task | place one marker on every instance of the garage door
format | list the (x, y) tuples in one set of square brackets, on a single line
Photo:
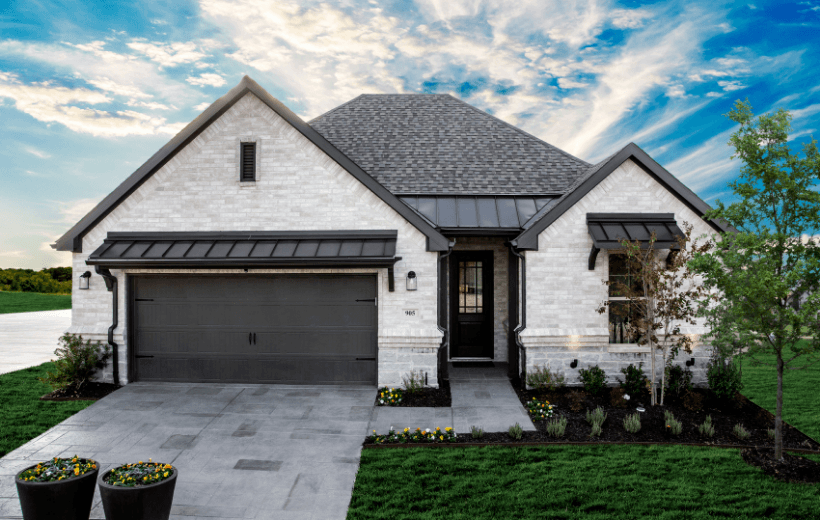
[(293, 329)]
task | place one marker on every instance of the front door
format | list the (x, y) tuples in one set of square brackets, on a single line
[(471, 304)]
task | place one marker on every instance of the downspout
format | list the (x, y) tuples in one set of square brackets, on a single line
[(111, 285), (522, 354), (442, 311)]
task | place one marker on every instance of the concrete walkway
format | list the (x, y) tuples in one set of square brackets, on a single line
[(243, 451), (482, 397), (28, 339)]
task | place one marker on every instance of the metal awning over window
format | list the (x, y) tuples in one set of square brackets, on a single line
[(246, 249), (609, 230)]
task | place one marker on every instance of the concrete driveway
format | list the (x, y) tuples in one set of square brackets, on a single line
[(243, 451), (30, 338)]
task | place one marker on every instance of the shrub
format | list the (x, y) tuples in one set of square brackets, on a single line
[(476, 432), (596, 430), (539, 410), (596, 416), (516, 431), (557, 427), (674, 426), (576, 400), (543, 379), (617, 397), (594, 379), (390, 396), (706, 428), (678, 380), (632, 423), (634, 379), (740, 432), (724, 378), (413, 382), (76, 363), (693, 401)]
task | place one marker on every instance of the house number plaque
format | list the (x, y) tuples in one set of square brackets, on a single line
[(410, 313)]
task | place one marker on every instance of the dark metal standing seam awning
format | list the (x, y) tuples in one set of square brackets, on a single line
[(248, 249), (608, 230)]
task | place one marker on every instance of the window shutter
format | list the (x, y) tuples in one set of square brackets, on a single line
[(248, 162)]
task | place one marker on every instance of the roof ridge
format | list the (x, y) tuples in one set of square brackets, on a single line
[(523, 132)]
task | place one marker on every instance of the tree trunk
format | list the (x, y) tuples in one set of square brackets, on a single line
[(778, 416), (652, 350), (663, 377)]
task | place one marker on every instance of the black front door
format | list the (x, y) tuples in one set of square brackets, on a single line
[(471, 304)]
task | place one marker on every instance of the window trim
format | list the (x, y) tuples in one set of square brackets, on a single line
[(610, 298)]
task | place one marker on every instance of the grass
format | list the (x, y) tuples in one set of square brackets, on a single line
[(30, 302), (594, 482), (22, 415), (801, 400)]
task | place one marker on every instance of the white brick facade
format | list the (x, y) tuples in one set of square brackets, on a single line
[(563, 294), (298, 187)]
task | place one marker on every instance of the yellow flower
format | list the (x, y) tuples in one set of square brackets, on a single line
[(441, 437), (447, 429), (140, 462), (165, 474)]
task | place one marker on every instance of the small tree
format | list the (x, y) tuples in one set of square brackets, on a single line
[(757, 269), (661, 296)]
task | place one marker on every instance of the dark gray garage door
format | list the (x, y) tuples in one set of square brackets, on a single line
[(273, 329)]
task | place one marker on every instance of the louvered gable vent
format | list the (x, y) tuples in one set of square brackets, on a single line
[(248, 166)]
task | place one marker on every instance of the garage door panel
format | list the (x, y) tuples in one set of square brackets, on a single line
[(308, 329)]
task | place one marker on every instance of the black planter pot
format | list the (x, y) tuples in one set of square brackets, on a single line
[(151, 502), (68, 499)]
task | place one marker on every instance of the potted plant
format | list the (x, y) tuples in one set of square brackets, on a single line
[(139, 491), (57, 488)]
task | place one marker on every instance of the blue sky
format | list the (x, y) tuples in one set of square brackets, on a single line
[(89, 91)]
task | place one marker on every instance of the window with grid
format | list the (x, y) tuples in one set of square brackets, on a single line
[(470, 289), (622, 313)]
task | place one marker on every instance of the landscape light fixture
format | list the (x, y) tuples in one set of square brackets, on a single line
[(84, 279), (412, 281)]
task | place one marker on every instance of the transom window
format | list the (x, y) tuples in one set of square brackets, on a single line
[(470, 290)]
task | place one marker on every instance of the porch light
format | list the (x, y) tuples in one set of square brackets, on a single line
[(84, 278), (574, 363), (412, 281)]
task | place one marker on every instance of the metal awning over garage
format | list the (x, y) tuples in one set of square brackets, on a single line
[(609, 230), (248, 249)]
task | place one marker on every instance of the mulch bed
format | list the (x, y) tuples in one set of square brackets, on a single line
[(725, 415), (791, 469), (89, 392), (430, 397)]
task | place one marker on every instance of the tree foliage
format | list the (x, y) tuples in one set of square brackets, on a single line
[(756, 271), (53, 280)]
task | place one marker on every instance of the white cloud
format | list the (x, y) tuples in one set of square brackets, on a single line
[(37, 153), (207, 79), (117, 89), (629, 18), (729, 86), (568, 83), (150, 105), (72, 211), (202, 106), (14, 254), (56, 104), (168, 54)]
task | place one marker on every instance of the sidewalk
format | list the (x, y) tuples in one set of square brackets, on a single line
[(29, 338), (482, 397)]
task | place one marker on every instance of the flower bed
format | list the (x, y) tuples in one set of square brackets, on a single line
[(415, 436), (58, 469), (539, 410), (425, 397), (139, 474), (389, 396)]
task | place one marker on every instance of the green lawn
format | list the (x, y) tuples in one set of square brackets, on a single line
[(801, 398), (30, 302), (22, 415), (591, 482)]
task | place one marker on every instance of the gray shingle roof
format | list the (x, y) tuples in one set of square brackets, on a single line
[(437, 144)]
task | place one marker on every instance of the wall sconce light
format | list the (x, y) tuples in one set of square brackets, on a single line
[(691, 362), (574, 363), (84, 278), (412, 281)]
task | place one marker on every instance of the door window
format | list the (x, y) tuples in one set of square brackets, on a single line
[(470, 290)]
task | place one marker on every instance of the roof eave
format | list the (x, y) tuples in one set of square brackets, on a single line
[(528, 240), (72, 239)]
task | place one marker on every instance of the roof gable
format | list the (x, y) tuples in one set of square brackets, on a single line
[(435, 144), (528, 240), (72, 240)]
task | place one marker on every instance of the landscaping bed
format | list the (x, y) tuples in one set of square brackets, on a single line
[(89, 392), (725, 415), (426, 397)]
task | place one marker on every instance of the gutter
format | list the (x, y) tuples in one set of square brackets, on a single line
[(442, 309), (522, 354), (111, 285)]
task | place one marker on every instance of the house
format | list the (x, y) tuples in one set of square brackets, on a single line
[(393, 233)]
